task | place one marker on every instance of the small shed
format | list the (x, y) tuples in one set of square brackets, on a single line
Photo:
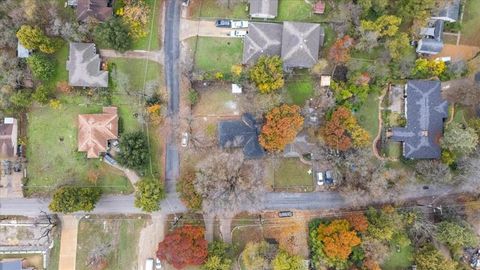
[(22, 52), (319, 7), (236, 88), (325, 80)]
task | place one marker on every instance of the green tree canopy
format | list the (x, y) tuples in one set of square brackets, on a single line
[(285, 261), (429, 258), (219, 256), (34, 38), (42, 94), (114, 34), (385, 26), (133, 150), (148, 195), (382, 223), (69, 199), (21, 99), (42, 66), (459, 139), (267, 74), (258, 256), (398, 46), (455, 235)]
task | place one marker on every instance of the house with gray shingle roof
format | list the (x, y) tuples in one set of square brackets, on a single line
[(449, 12), (262, 39), (98, 9), (242, 133), (425, 112), (300, 44), (263, 9), (83, 66), (297, 43), (432, 38)]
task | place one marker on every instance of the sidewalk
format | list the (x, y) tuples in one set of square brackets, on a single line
[(68, 242)]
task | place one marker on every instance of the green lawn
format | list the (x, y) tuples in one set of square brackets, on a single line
[(292, 173), (367, 116), (300, 10), (142, 43), (459, 116), (52, 149), (217, 54), (471, 23), (61, 73), (211, 9), (394, 149), (399, 260), (130, 100), (300, 87), (54, 254), (116, 238)]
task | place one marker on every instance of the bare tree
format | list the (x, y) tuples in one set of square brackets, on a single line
[(462, 91), (375, 249), (469, 168), (433, 171), (49, 223), (229, 184), (421, 229)]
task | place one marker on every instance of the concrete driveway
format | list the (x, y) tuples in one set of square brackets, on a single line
[(11, 185), (190, 28)]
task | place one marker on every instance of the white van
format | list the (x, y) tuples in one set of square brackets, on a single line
[(149, 264)]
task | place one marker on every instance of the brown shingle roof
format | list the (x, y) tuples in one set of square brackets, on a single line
[(98, 9), (94, 131)]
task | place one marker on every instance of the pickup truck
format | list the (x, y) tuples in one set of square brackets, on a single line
[(238, 24), (238, 33)]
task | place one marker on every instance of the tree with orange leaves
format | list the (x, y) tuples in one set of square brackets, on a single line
[(281, 126), (338, 239), (358, 221), (342, 131), (370, 264), (184, 246), (340, 50)]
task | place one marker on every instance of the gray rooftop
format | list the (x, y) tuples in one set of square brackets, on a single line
[(429, 46), (300, 44), (450, 11), (241, 133), (262, 39), (425, 113), (266, 9), (83, 66)]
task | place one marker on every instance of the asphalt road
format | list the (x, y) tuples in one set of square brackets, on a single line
[(107, 205), (172, 77), (172, 54)]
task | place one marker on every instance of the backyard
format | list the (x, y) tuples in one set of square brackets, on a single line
[(300, 10), (367, 116), (471, 24), (216, 54), (210, 9), (114, 240), (401, 257), (217, 100), (299, 87)]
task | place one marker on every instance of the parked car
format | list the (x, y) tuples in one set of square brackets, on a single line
[(158, 264), (329, 178), (320, 178), (109, 159), (284, 214), (185, 3), (223, 23), (6, 167), (149, 264), (184, 139), (238, 33), (238, 24)]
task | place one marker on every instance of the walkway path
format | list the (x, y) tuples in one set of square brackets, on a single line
[(380, 125), (156, 56), (68, 242), (190, 28)]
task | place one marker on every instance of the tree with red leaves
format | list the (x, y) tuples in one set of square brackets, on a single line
[(339, 52), (184, 246)]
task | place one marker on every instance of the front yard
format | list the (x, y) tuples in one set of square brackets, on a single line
[(292, 174), (114, 240), (216, 54)]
